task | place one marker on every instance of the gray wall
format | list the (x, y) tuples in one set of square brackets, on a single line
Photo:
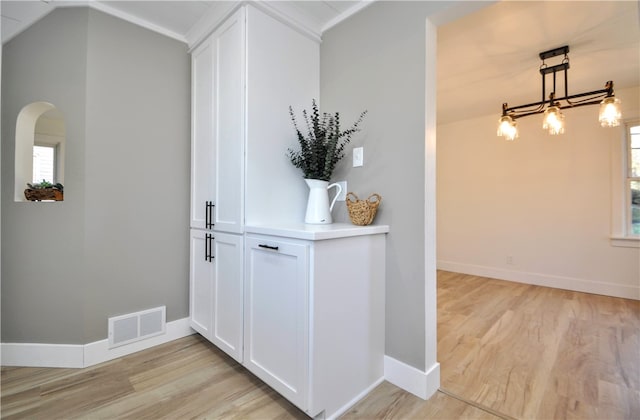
[(119, 241), (376, 61), (42, 243)]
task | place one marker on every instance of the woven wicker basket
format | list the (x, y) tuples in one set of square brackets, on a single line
[(43, 194), (362, 212)]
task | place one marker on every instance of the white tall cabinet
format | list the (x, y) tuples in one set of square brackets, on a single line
[(245, 75), (302, 307), (217, 177)]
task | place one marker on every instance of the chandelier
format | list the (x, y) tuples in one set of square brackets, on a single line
[(553, 118)]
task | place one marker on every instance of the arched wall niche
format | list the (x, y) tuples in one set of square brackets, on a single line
[(38, 124)]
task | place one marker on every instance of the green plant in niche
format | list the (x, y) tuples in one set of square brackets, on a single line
[(44, 191), (45, 184), (323, 145)]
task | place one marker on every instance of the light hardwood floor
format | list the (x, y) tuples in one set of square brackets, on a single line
[(507, 350)]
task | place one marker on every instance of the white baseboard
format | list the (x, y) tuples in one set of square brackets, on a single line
[(419, 383), (42, 355), (83, 355), (558, 282), (99, 351)]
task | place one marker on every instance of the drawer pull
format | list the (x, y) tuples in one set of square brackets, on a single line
[(275, 248)]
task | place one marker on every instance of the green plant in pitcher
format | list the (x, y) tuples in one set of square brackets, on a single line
[(323, 145)]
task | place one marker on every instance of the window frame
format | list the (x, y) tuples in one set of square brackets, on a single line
[(55, 148), (629, 179), (621, 229)]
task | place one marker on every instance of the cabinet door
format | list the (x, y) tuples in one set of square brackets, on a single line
[(200, 285), (229, 130), (217, 127), (276, 315), (227, 301), (202, 138)]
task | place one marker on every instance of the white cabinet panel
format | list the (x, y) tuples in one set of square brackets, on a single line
[(202, 145), (229, 94), (200, 285), (217, 138), (215, 292), (276, 316), (284, 70), (227, 301)]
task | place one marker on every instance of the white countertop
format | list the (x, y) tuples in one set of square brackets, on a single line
[(316, 232)]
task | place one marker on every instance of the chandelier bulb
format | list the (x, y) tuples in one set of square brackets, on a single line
[(553, 121), (610, 113), (507, 128)]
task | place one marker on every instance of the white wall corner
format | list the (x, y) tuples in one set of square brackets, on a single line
[(419, 383), (354, 401), (79, 355)]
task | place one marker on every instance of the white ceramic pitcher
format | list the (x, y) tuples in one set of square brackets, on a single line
[(318, 208)]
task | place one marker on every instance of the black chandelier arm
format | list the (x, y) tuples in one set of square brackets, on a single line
[(551, 104), (520, 111)]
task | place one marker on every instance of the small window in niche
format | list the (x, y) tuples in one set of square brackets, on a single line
[(44, 164), (39, 153)]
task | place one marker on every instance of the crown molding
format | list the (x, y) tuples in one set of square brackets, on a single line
[(282, 11), (215, 15), (102, 7), (286, 12), (347, 14)]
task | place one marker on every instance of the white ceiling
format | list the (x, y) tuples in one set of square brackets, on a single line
[(491, 56), (177, 18), (484, 59)]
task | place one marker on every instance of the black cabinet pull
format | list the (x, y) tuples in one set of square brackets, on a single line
[(209, 214), (208, 248), (206, 214), (275, 248)]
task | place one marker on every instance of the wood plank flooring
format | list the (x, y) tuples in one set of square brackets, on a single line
[(537, 353), (507, 350)]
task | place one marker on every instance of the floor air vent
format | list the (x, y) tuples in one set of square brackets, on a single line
[(126, 329)]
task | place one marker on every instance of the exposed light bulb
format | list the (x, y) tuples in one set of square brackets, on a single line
[(507, 128), (610, 113), (553, 121)]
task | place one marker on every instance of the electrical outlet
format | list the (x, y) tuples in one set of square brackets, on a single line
[(358, 156), (343, 194), (509, 260)]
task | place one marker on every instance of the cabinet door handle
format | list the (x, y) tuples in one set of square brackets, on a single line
[(209, 214), (275, 248), (208, 248), (206, 214)]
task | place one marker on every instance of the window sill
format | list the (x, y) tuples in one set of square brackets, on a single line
[(626, 241)]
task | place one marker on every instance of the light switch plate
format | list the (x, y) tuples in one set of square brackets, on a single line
[(358, 156)]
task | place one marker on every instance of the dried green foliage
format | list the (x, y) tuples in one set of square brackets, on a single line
[(323, 146)]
